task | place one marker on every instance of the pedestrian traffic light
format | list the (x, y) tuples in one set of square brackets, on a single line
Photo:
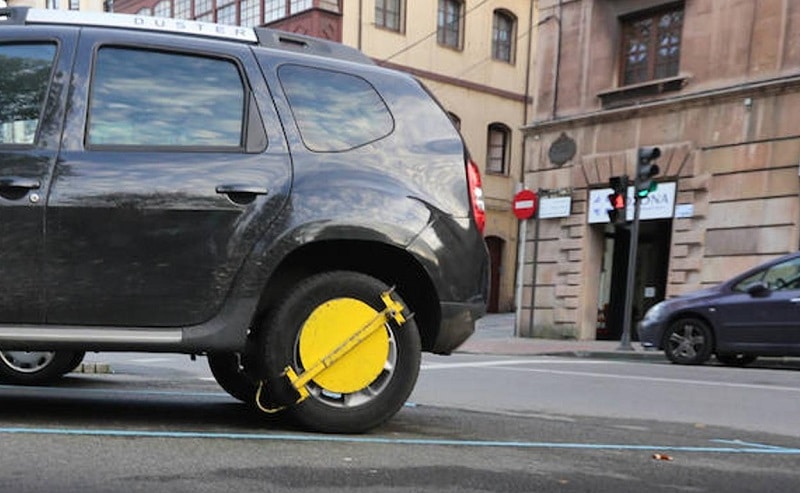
[(617, 199), (646, 169)]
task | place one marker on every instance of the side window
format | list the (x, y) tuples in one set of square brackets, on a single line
[(24, 77), (334, 111), (156, 99), (785, 275)]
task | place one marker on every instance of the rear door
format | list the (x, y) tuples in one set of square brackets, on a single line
[(34, 68), (167, 177)]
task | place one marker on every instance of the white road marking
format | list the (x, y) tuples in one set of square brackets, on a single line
[(484, 364), (149, 360), (655, 379)]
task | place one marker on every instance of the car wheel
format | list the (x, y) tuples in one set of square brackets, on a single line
[(229, 373), (688, 341), (737, 359), (367, 385), (35, 367)]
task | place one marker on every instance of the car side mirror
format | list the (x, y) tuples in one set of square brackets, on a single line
[(758, 289)]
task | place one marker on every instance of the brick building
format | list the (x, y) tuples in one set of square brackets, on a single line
[(714, 84)]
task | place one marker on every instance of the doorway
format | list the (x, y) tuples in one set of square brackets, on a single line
[(495, 247), (650, 280)]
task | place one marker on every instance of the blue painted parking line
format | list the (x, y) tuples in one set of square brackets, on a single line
[(72, 391), (740, 448)]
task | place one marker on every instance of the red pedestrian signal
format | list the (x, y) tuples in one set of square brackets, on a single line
[(617, 199)]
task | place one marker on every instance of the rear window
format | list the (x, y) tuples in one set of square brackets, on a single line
[(24, 78), (334, 111)]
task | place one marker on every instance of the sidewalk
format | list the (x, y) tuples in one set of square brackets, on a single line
[(495, 335)]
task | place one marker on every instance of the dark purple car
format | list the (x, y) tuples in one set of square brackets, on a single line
[(754, 314)]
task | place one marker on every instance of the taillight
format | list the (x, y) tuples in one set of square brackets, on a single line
[(476, 195)]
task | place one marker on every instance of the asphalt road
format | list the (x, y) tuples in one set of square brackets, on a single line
[(475, 423)]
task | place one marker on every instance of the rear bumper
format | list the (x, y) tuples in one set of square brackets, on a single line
[(458, 324)]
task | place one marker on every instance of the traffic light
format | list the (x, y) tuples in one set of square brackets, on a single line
[(617, 199), (646, 169)]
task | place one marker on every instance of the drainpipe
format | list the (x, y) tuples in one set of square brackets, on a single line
[(360, 21), (522, 230), (557, 75)]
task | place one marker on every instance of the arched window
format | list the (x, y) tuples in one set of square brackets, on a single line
[(498, 149), (504, 29)]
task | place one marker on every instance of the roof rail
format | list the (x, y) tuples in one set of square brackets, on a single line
[(270, 38), (13, 15), (282, 40)]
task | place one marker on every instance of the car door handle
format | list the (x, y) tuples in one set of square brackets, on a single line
[(241, 194), (240, 188), (17, 182)]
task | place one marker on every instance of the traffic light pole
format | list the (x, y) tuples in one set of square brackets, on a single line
[(625, 341)]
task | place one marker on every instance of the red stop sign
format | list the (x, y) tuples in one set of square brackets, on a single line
[(524, 204)]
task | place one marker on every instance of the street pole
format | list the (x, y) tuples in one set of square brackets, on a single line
[(521, 236), (534, 268), (625, 342)]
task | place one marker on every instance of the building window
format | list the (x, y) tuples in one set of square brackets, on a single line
[(503, 36), (227, 14), (274, 10), (183, 9), (651, 45), (202, 10), (299, 5), (52, 4), (74, 4), (449, 23), (251, 13), (497, 149), (163, 9), (389, 14)]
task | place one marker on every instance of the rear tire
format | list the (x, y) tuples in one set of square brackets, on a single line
[(36, 367), (329, 410)]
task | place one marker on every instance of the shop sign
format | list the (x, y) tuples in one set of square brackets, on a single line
[(660, 204), (552, 207)]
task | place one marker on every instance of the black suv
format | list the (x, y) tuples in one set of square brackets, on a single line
[(309, 221)]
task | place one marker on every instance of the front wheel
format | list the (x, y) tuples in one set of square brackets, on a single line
[(367, 385), (688, 341), (36, 367)]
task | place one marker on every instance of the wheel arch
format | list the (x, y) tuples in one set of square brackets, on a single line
[(392, 265)]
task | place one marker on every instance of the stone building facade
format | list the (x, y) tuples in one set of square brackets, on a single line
[(716, 86)]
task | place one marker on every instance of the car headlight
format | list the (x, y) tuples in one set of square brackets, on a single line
[(655, 312)]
